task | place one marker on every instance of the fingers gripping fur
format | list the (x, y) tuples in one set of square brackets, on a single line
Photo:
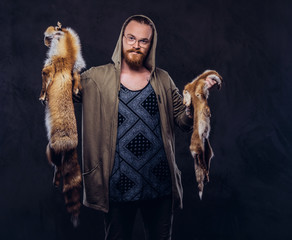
[(216, 78)]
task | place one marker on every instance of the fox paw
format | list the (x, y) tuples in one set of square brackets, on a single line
[(42, 97), (76, 91)]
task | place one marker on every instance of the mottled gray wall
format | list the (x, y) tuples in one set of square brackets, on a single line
[(247, 42)]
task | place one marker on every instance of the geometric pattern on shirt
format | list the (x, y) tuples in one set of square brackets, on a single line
[(124, 184), (128, 119), (143, 153), (160, 170), (128, 95), (140, 168), (118, 192), (150, 104), (135, 107), (139, 145), (121, 119)]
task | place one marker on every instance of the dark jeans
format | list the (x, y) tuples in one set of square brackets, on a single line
[(156, 214)]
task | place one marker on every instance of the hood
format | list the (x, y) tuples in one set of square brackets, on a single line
[(149, 61)]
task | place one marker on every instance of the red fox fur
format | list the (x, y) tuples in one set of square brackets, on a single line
[(61, 75), (195, 96)]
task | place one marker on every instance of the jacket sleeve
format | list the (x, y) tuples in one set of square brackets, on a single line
[(181, 119)]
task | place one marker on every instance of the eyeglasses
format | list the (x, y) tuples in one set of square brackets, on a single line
[(131, 40)]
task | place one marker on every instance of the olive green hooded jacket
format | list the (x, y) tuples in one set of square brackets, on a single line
[(100, 101)]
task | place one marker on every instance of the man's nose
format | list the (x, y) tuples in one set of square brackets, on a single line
[(136, 44)]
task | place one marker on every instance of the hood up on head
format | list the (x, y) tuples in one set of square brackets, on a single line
[(150, 59)]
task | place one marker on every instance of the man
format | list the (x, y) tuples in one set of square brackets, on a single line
[(130, 108)]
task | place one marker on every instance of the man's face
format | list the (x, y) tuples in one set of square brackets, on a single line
[(135, 53)]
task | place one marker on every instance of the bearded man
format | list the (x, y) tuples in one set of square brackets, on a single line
[(130, 108)]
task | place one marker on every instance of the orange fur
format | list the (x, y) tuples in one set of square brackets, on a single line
[(61, 69), (195, 96)]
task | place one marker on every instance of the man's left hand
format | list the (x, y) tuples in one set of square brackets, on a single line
[(210, 82)]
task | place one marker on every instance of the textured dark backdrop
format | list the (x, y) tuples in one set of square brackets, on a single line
[(247, 42)]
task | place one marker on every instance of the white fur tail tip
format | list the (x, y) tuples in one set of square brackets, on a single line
[(75, 221), (200, 195)]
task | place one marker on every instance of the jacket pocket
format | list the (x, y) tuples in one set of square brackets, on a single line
[(94, 186), (97, 165)]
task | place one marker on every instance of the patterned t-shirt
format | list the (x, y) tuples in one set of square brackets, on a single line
[(140, 169)]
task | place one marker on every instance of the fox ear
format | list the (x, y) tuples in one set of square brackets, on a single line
[(187, 98), (59, 26)]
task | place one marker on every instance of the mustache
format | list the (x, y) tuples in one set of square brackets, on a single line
[(133, 50)]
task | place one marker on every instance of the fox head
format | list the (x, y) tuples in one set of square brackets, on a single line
[(53, 33)]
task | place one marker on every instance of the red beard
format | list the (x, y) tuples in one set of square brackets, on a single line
[(134, 60)]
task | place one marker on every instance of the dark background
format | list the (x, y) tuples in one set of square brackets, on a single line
[(248, 42)]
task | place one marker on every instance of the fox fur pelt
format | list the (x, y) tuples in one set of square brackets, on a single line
[(61, 75), (195, 96)]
